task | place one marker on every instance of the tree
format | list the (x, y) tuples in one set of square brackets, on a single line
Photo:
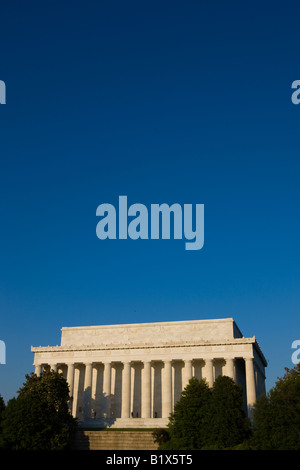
[(2, 407), (277, 414), (39, 418), (226, 423), (207, 418), (185, 425)]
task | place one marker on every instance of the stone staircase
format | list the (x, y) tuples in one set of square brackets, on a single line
[(124, 423), (113, 440)]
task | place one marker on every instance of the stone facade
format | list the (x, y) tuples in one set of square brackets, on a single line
[(132, 375)]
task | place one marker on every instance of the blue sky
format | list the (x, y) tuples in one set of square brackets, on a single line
[(186, 102)]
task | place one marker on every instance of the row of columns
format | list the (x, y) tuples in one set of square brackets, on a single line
[(146, 384)]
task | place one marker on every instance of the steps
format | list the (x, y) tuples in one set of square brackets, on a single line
[(113, 440), (124, 423)]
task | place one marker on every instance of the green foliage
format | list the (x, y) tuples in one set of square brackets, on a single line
[(161, 435), (39, 418), (2, 407), (185, 424), (228, 425), (277, 415), (207, 418)]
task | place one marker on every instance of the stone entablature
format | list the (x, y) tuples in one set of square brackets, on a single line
[(143, 345), (143, 376), (152, 333)]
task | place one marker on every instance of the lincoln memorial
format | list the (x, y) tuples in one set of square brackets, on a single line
[(131, 375)]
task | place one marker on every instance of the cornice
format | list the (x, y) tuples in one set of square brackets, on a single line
[(169, 344)]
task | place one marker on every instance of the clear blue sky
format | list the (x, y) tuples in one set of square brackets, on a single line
[(186, 102)]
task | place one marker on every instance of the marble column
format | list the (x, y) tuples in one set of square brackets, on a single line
[(70, 379), (87, 394), (188, 372), (126, 390), (53, 367), (250, 384), (38, 369), (106, 390), (167, 389), (146, 390), (229, 368), (209, 374)]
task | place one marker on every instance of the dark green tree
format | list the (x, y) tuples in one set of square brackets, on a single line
[(277, 414), (2, 407), (185, 424), (207, 418), (39, 418), (226, 423)]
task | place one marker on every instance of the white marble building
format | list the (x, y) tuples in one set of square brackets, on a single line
[(132, 375)]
